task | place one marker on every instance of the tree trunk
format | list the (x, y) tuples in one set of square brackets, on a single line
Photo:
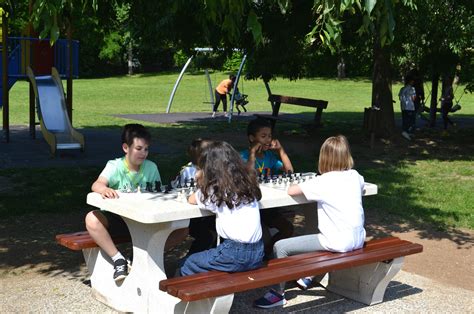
[(382, 91), (130, 58), (434, 98)]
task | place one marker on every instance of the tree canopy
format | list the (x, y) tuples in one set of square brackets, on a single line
[(288, 38)]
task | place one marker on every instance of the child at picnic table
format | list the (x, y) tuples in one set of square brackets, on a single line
[(231, 192), (338, 192), (268, 157), (202, 229), (127, 173)]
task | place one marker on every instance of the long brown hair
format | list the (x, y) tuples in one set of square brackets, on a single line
[(225, 177), (335, 155)]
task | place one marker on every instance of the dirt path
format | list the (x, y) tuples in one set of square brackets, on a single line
[(447, 256)]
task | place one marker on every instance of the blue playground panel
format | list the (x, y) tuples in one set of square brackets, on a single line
[(17, 58)]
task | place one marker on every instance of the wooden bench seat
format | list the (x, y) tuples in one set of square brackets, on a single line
[(277, 100), (361, 275), (82, 240)]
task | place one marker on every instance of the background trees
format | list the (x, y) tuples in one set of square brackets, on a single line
[(378, 39)]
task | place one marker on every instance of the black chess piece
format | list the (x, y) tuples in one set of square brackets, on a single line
[(149, 187), (168, 188), (179, 184), (191, 183), (157, 186)]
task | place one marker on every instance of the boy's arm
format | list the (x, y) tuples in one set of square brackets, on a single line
[(287, 166), (101, 186), (252, 156)]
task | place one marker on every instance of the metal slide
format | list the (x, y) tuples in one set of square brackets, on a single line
[(51, 107)]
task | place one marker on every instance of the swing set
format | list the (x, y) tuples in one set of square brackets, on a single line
[(456, 101), (237, 98)]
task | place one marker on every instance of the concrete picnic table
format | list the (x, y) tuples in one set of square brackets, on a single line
[(151, 217)]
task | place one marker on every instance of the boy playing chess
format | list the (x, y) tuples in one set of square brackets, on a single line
[(129, 173)]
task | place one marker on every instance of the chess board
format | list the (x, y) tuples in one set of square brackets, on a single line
[(160, 192)]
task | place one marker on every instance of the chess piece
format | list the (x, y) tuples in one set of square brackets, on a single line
[(157, 186), (149, 187)]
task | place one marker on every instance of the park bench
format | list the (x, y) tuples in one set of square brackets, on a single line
[(361, 275), (277, 100)]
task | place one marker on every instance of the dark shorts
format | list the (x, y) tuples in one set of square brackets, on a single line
[(117, 225)]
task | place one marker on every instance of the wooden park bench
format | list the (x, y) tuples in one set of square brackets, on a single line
[(277, 100), (361, 275)]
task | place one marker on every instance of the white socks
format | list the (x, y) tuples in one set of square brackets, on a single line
[(117, 256)]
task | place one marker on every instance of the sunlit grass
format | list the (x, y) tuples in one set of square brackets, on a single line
[(428, 184)]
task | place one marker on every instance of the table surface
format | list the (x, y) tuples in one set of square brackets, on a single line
[(161, 207)]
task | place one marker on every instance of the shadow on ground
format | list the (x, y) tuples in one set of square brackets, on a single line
[(31, 217)]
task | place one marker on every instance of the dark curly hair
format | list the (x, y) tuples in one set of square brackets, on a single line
[(225, 177)]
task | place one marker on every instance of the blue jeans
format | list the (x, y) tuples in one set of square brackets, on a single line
[(229, 256), (408, 120)]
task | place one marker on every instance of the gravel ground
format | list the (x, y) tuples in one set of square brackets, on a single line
[(70, 292)]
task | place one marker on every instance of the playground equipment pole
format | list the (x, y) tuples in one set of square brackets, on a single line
[(236, 83), (6, 121), (70, 70), (211, 92), (177, 83), (31, 90)]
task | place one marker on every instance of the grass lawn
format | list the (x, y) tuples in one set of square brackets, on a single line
[(429, 180)]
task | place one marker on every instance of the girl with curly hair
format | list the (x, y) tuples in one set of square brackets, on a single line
[(231, 192)]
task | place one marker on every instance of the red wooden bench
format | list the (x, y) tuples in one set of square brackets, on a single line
[(81, 240), (361, 275)]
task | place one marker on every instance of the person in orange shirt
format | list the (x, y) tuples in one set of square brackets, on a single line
[(221, 92)]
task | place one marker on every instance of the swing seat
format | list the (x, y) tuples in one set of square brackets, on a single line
[(455, 108), (242, 102)]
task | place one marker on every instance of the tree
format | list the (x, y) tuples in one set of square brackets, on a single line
[(439, 46)]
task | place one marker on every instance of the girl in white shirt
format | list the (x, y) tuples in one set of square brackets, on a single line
[(338, 192), (231, 192)]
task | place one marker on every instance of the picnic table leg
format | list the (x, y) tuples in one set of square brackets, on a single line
[(139, 291), (366, 284), (214, 305)]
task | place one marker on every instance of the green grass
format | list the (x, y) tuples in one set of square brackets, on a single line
[(430, 181)]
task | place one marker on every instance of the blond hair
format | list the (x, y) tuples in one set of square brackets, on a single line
[(335, 155)]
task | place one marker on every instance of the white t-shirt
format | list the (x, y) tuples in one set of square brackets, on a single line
[(340, 212), (240, 224), (406, 95), (187, 173)]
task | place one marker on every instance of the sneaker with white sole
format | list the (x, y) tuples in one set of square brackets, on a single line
[(120, 269), (270, 299), (304, 283)]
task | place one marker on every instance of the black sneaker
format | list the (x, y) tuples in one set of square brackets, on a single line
[(121, 269)]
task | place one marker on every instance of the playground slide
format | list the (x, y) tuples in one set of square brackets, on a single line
[(51, 107)]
